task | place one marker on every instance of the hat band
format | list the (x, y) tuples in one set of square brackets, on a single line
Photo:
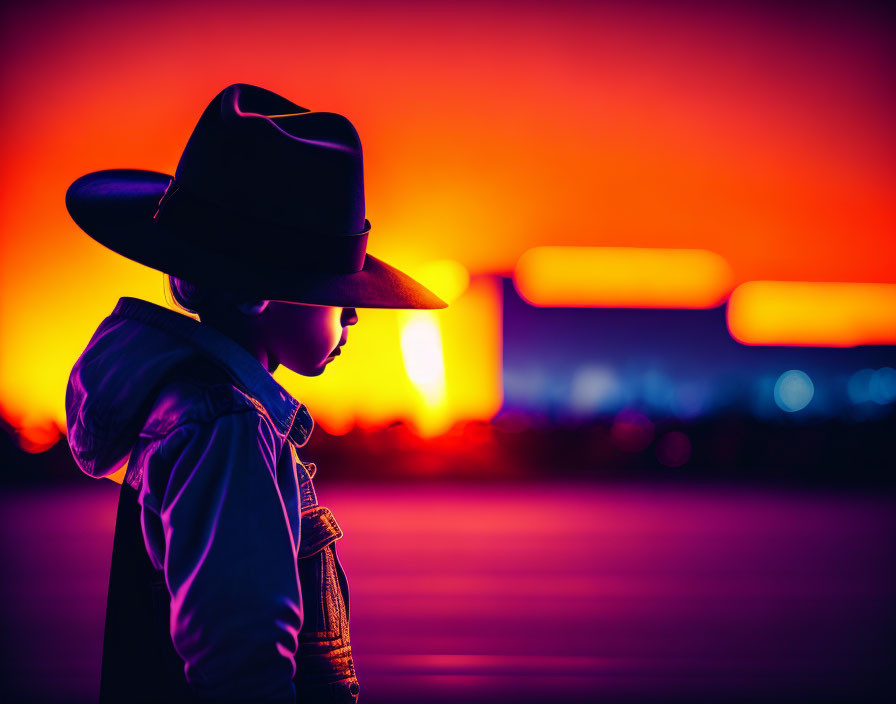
[(217, 228)]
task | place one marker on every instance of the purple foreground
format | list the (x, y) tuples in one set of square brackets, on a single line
[(527, 593)]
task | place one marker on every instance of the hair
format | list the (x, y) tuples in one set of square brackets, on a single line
[(188, 296), (200, 300)]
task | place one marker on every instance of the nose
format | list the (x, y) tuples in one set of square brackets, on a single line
[(349, 316)]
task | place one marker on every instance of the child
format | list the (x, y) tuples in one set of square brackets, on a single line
[(225, 584)]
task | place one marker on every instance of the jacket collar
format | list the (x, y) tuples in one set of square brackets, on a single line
[(289, 415)]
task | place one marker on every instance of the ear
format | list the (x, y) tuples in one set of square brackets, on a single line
[(252, 307)]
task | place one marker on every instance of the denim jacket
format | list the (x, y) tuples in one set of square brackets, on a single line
[(229, 517)]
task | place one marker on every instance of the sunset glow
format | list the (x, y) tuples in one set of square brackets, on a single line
[(682, 154)]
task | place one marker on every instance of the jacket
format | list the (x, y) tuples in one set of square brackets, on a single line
[(219, 534)]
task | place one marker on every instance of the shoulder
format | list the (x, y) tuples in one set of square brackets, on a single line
[(199, 406), (199, 393)]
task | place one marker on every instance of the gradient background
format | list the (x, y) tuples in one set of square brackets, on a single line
[(600, 490)]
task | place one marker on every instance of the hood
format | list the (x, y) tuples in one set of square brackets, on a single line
[(112, 387)]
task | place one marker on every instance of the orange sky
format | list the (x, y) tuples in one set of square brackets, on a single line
[(487, 129)]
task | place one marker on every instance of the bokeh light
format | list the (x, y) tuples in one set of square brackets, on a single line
[(631, 431), (882, 386), (673, 449), (793, 390), (858, 387), (421, 351), (690, 400), (595, 389)]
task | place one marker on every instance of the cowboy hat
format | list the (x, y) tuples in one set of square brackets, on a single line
[(267, 202)]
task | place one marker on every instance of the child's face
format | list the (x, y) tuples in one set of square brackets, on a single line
[(305, 338)]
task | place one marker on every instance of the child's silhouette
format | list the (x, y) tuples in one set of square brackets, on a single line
[(219, 538)]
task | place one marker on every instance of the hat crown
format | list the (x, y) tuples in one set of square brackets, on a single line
[(260, 156), (267, 203)]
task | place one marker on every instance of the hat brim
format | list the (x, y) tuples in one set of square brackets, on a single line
[(116, 208)]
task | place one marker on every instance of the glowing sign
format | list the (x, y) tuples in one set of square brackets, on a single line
[(813, 313), (622, 277)]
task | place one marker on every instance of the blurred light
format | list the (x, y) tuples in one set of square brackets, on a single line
[(858, 386), (421, 349), (762, 396), (657, 390), (594, 389), (446, 278), (624, 277), (38, 438), (631, 431), (793, 391), (529, 387), (689, 400), (813, 313), (882, 386), (673, 449)]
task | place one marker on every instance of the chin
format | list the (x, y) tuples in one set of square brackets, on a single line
[(314, 371), (311, 372)]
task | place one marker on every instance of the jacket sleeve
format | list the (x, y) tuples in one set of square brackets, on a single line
[(230, 565)]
